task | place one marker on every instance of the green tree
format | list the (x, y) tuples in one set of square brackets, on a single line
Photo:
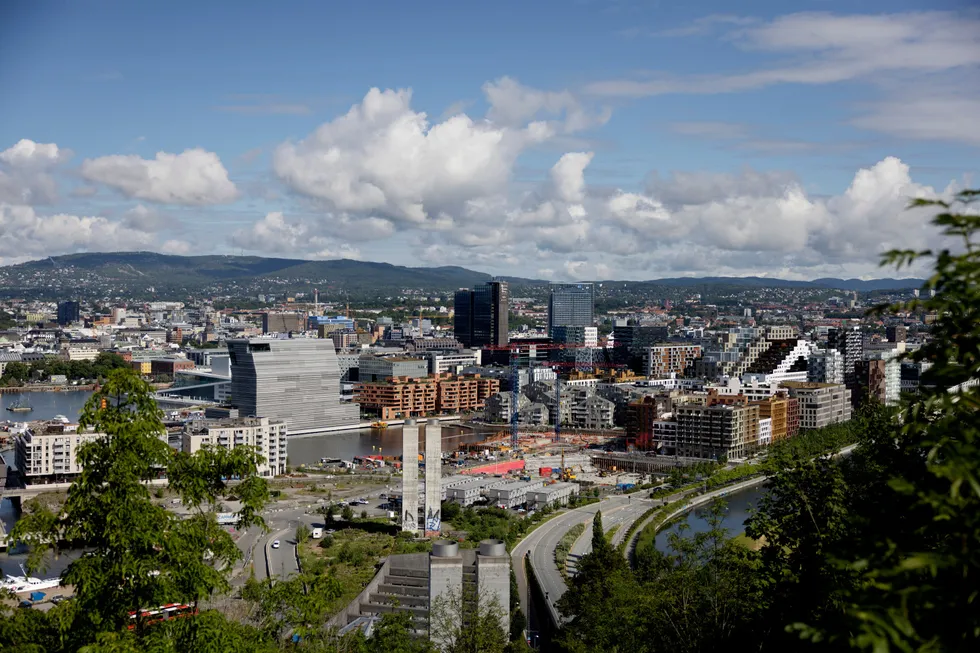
[(141, 555), (302, 533), (347, 514), (466, 622), (599, 542)]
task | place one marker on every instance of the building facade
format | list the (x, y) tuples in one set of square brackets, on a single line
[(664, 360), (717, 432), (295, 379), (69, 312), (268, 437), (381, 368), (821, 404), (571, 304), (481, 315), (283, 323)]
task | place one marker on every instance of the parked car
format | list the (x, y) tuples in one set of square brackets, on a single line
[(25, 604), (57, 599), (275, 544)]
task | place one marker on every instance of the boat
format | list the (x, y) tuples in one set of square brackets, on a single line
[(27, 583), (20, 406), (381, 426)]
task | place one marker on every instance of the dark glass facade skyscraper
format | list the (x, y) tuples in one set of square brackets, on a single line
[(481, 315), (68, 312), (571, 304)]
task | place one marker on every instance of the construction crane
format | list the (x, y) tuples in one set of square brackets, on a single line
[(515, 349)]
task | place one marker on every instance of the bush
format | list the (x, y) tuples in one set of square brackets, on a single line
[(326, 542), (364, 514), (347, 514)]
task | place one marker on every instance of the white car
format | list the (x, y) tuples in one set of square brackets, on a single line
[(275, 544)]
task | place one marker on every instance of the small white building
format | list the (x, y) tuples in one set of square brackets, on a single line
[(466, 494), (549, 495), (512, 494), (765, 432)]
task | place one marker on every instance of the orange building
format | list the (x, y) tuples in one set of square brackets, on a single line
[(785, 414), (404, 397)]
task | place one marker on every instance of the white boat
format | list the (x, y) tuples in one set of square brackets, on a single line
[(27, 583)]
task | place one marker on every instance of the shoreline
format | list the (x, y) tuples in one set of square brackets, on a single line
[(88, 387)]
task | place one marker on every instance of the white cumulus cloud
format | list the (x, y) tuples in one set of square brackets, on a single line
[(275, 234), (24, 232), (193, 177)]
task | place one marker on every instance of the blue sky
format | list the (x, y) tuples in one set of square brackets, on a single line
[(607, 139)]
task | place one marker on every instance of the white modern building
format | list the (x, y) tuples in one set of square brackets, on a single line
[(826, 366), (268, 437)]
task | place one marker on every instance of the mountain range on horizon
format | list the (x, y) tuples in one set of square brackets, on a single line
[(190, 273)]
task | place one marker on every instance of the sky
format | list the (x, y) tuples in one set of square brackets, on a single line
[(584, 139)]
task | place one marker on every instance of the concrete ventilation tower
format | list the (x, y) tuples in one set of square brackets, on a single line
[(493, 578), (445, 580), (433, 478), (410, 476)]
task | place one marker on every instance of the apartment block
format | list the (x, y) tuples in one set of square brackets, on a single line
[(784, 413), (48, 451), (267, 436), (729, 431), (417, 397), (664, 360), (821, 404), (400, 397)]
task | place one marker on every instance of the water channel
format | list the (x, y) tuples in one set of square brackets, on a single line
[(739, 509)]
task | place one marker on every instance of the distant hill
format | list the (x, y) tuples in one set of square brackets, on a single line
[(859, 285), (131, 274)]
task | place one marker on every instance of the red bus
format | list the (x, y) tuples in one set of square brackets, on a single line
[(163, 613)]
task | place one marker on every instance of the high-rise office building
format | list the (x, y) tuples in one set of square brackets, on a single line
[(68, 312), (571, 304), (295, 379), (490, 313), (481, 315), (850, 343), (896, 333), (463, 316)]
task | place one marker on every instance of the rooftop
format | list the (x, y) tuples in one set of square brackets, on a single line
[(806, 385)]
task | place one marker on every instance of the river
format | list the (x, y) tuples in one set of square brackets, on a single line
[(46, 405), (739, 509)]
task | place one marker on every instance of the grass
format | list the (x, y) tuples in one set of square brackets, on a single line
[(746, 541), (611, 533), (565, 546), (352, 554)]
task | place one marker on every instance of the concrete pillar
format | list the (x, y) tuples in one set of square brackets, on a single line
[(433, 479), (493, 578), (445, 587), (410, 476)]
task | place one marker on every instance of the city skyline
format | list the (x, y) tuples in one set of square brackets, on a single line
[(607, 141)]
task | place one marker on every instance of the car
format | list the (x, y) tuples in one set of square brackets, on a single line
[(24, 604), (275, 544), (57, 599)]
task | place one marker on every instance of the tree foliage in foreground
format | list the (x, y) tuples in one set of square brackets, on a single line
[(877, 552)]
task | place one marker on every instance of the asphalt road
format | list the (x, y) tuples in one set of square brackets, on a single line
[(542, 542), (621, 516)]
